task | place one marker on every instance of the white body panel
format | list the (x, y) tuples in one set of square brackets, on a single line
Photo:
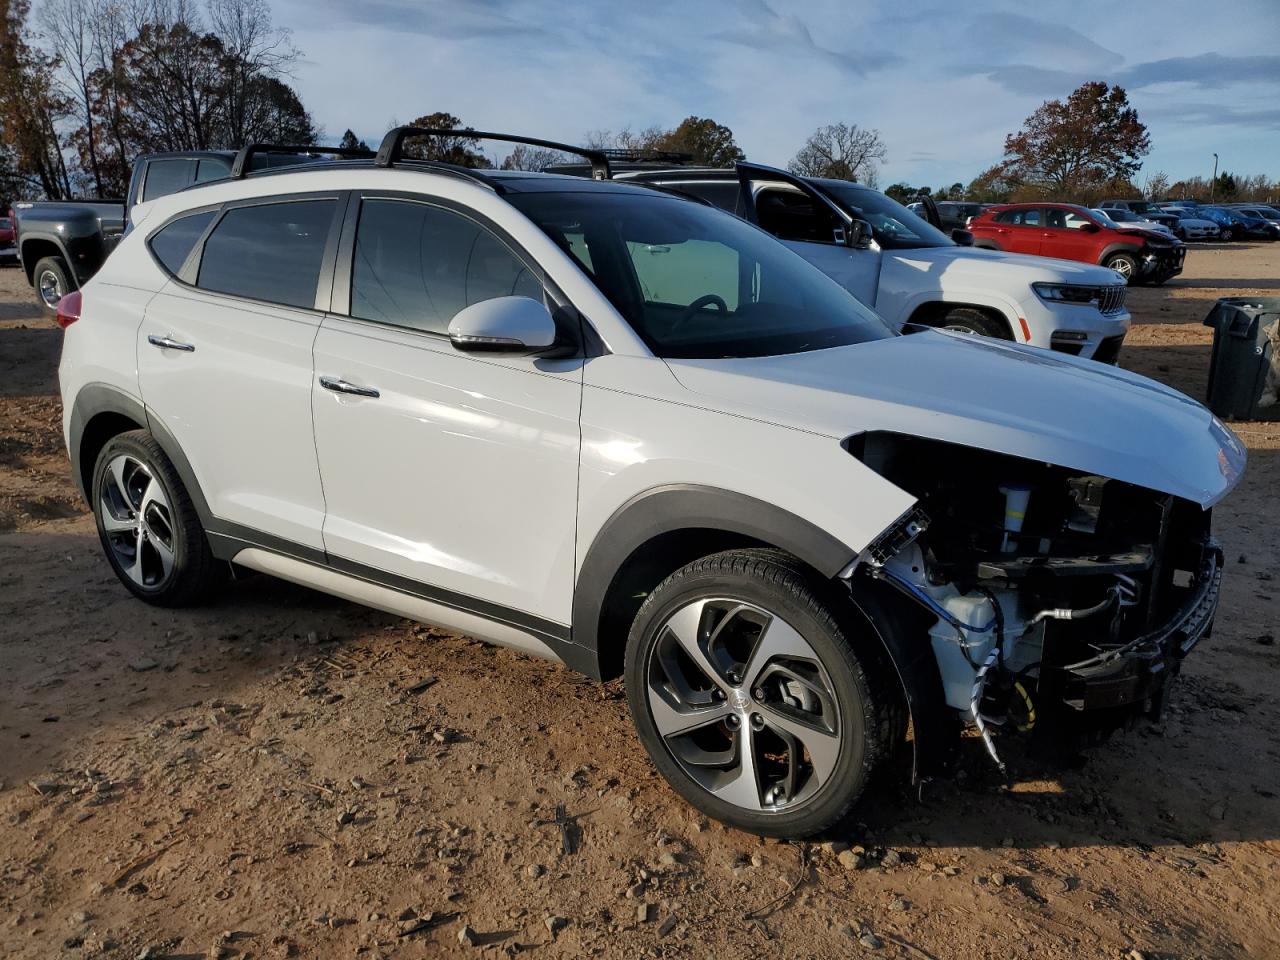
[(857, 270), (461, 474), (239, 405)]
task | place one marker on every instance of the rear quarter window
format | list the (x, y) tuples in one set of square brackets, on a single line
[(164, 177), (173, 242)]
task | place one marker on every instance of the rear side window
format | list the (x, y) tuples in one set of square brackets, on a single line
[(270, 251), (212, 170), (794, 216), (173, 243), (1024, 218), (724, 194), (416, 265), (167, 176)]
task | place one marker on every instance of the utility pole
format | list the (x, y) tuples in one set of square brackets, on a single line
[(1213, 184)]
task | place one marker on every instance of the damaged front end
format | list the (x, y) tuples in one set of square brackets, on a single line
[(1056, 603)]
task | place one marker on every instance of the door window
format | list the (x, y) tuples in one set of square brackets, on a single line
[(172, 243), (167, 176), (790, 215), (1020, 218), (269, 251), (416, 265)]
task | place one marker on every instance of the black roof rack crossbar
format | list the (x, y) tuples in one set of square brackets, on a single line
[(391, 149), (240, 166), (627, 155)]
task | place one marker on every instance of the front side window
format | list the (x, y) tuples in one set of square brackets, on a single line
[(791, 215), (172, 243), (167, 176), (893, 225), (269, 251), (694, 281), (416, 265)]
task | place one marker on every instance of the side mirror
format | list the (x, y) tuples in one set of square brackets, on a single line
[(858, 235), (962, 238), (504, 325), (1089, 227)]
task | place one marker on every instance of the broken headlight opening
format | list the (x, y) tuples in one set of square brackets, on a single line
[(1058, 604)]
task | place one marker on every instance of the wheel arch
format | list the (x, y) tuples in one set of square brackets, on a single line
[(1119, 247), (660, 530), (36, 248), (931, 313)]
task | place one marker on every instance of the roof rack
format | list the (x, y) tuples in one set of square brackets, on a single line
[(240, 165), (626, 155), (391, 150)]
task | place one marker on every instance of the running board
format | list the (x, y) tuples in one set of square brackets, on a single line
[(392, 601)]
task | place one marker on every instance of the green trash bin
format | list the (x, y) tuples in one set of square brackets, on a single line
[(1245, 365)]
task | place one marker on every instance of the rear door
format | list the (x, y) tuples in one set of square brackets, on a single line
[(1020, 230), (224, 357), (812, 225)]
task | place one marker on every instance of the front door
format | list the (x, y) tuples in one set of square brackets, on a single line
[(812, 226), (224, 358), (1069, 235), (451, 473)]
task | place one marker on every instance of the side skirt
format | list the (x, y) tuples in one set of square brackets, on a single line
[(370, 594)]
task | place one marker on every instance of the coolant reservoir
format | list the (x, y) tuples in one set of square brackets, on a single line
[(950, 644)]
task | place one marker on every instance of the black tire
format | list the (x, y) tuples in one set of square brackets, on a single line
[(860, 684), (51, 269), (969, 320), (1125, 264), (1227, 235), (193, 572)]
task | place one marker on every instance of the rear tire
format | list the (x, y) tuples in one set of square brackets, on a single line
[(968, 320), (1124, 264), (148, 526), (774, 722), (1227, 235), (51, 280)]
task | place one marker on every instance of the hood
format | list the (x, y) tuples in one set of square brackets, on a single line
[(960, 261), (1021, 401)]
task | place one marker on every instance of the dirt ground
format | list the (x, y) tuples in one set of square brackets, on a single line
[(284, 774)]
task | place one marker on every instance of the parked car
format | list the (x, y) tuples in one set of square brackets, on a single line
[(62, 243), (1236, 224), (1074, 233), (908, 270), (955, 215), (1260, 211), (1142, 208), (1188, 226), (1127, 220), (8, 245), (622, 429)]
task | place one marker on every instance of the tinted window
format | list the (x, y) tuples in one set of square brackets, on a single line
[(1024, 218), (694, 281), (172, 243), (416, 265), (893, 225), (167, 176), (723, 193), (269, 252), (789, 215), (212, 170)]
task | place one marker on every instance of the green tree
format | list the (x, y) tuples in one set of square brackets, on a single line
[(709, 143), (350, 141), (1066, 147)]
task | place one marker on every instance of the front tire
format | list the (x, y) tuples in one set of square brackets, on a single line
[(968, 320), (1227, 235), (748, 694), (1124, 264), (148, 526)]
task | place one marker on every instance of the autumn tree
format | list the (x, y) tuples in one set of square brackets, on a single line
[(460, 149), (1066, 148), (1156, 186), (842, 152), (708, 143), (30, 106)]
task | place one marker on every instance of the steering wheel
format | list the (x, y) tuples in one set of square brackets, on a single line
[(703, 301)]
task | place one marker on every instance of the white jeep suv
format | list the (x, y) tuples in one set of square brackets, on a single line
[(631, 432)]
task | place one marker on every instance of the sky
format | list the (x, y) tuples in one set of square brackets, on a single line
[(943, 82)]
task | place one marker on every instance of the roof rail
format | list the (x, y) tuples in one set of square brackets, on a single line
[(627, 155), (391, 149), (240, 165)]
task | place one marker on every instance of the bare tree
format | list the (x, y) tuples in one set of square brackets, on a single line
[(255, 49), (841, 151), (67, 28), (1156, 186), (525, 157)]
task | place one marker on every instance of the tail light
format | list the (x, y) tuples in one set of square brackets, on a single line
[(68, 309)]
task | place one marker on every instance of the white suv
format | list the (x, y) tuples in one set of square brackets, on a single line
[(631, 432)]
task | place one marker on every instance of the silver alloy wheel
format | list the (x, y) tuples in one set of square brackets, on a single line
[(138, 521), (744, 705), (960, 326), (50, 287), (1122, 266)]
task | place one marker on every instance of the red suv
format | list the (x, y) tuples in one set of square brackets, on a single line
[(1071, 232)]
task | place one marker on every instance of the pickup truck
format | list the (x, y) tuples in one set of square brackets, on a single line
[(62, 243), (904, 267)]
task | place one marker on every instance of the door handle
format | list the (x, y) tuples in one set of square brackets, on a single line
[(338, 385), (168, 343)]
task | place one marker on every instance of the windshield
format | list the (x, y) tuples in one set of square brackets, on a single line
[(1114, 216), (895, 227), (694, 281)]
